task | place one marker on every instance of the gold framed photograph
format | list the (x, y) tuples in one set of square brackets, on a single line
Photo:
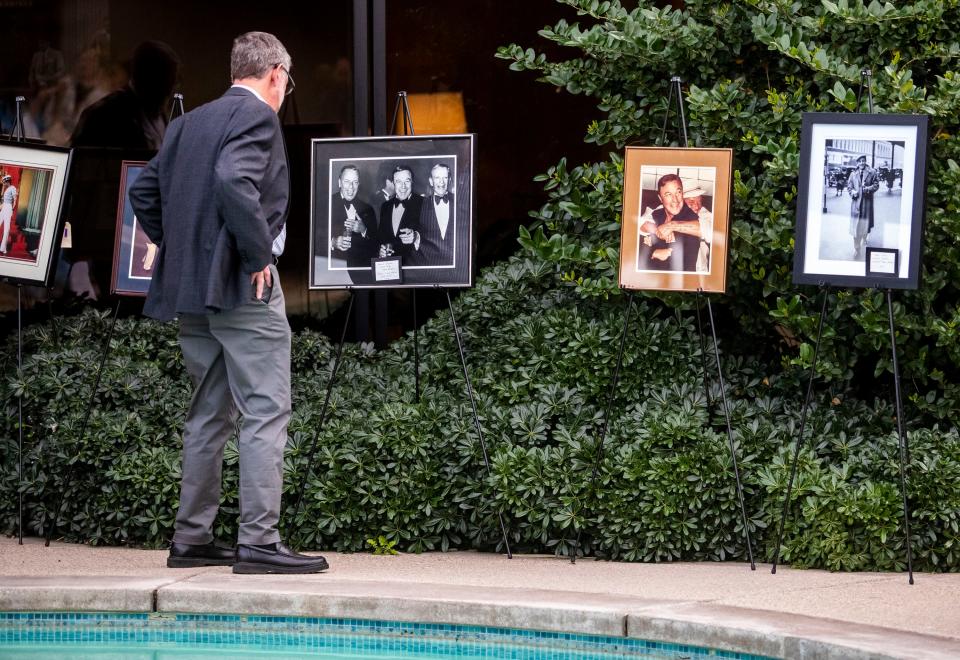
[(676, 219)]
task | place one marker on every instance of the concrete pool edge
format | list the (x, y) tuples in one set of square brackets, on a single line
[(695, 623)]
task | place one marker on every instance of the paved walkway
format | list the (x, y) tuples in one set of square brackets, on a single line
[(795, 613)]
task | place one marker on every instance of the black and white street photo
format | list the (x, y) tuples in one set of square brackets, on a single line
[(860, 197)]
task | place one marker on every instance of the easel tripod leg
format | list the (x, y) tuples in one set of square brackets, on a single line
[(904, 450), (86, 417), (666, 117), (20, 415), (703, 352), (803, 421), (323, 410), (606, 414), (416, 351), (733, 448), (476, 417)]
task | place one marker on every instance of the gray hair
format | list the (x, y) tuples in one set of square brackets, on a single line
[(348, 167), (255, 53)]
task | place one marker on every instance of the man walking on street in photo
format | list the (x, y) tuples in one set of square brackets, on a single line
[(215, 200), (862, 183)]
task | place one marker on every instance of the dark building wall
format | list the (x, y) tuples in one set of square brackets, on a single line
[(317, 35), (523, 126)]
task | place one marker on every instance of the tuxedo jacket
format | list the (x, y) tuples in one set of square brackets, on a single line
[(213, 199), (435, 250), (362, 248), (409, 220)]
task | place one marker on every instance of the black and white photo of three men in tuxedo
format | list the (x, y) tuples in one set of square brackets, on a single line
[(420, 230)]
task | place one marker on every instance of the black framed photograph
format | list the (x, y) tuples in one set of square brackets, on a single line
[(861, 199), (408, 199), (33, 182), (134, 255)]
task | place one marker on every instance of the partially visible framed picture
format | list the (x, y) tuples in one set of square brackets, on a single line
[(861, 199), (409, 197), (676, 219), (33, 182), (133, 253)]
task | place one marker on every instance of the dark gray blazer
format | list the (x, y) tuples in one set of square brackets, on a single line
[(213, 199)]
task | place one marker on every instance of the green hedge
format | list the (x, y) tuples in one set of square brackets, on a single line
[(541, 362)]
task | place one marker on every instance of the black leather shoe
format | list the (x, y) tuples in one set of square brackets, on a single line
[(275, 558), (184, 555)]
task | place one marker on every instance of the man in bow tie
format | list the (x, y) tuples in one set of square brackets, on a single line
[(355, 221), (399, 230), (437, 221)]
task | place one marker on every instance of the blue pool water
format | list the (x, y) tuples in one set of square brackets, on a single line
[(161, 636)]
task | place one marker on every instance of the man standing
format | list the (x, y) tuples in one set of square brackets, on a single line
[(400, 217), (672, 233), (437, 220), (215, 200), (862, 183), (357, 222)]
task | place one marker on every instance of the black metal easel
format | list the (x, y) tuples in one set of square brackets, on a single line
[(408, 130), (19, 417), (407, 125), (676, 91), (18, 135), (403, 105), (733, 447), (866, 85), (901, 438), (176, 107), (323, 411), (476, 416), (105, 352), (176, 110), (803, 420)]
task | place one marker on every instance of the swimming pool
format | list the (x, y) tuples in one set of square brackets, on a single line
[(71, 636)]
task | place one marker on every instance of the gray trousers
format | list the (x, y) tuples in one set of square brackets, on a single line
[(238, 360)]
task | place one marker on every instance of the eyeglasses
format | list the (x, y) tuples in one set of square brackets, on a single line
[(291, 85)]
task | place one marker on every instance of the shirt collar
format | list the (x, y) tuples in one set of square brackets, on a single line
[(249, 89)]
